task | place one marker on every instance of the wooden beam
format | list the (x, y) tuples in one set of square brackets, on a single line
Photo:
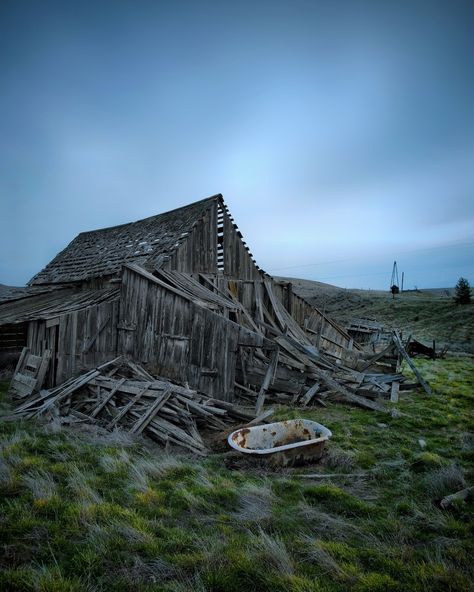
[(90, 342), (394, 392), (306, 399), (406, 357), (267, 380), (376, 358), (161, 400), (347, 394), (129, 405), (101, 405)]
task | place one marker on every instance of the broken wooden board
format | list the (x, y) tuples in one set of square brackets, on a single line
[(29, 373), (266, 382)]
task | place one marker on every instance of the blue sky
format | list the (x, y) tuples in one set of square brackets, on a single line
[(341, 134)]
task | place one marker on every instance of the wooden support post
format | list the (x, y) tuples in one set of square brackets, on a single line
[(267, 380), (406, 357), (310, 394)]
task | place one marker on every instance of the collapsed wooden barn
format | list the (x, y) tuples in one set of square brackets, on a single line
[(179, 293)]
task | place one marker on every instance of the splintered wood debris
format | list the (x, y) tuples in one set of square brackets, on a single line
[(297, 374), (121, 394)]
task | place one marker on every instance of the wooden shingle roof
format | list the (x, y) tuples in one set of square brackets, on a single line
[(54, 303), (102, 252)]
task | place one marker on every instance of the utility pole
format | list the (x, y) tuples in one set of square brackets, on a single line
[(403, 276), (394, 281)]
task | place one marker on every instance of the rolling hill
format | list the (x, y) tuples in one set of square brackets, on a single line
[(427, 314)]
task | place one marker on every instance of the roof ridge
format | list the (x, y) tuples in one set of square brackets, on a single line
[(100, 252), (217, 196)]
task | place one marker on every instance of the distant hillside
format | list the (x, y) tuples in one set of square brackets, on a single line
[(8, 291), (427, 314), (4, 289)]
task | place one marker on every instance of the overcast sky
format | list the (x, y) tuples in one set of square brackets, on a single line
[(341, 134)]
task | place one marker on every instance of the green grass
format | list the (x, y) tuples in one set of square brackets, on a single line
[(81, 512)]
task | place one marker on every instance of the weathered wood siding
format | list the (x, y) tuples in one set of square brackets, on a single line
[(178, 339), (324, 332), (238, 262), (210, 236), (198, 251), (78, 340), (321, 331)]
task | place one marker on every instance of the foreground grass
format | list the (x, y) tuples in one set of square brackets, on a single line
[(81, 512)]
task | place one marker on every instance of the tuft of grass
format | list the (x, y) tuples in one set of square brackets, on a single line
[(444, 481), (315, 551), (78, 485), (255, 504), (272, 549), (41, 484), (337, 500), (427, 460)]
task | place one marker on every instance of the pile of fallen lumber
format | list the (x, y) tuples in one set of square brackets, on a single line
[(121, 394), (295, 373)]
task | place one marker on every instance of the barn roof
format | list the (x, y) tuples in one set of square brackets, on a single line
[(11, 293), (54, 303), (103, 252)]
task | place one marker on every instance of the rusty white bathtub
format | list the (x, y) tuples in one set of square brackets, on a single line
[(284, 442)]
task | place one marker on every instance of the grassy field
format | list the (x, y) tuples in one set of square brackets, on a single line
[(427, 315), (87, 512)]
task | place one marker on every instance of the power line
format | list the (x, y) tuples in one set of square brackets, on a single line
[(450, 246)]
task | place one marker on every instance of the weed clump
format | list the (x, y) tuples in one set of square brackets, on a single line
[(343, 460), (337, 500), (255, 503), (425, 461), (444, 481), (272, 549)]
